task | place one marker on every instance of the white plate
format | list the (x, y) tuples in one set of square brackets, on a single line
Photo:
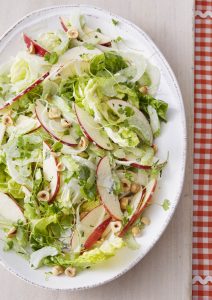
[(172, 140)]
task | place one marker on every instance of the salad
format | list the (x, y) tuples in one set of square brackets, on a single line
[(78, 165)]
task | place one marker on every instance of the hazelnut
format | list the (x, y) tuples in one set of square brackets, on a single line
[(126, 185), (65, 123), (124, 202), (135, 231), (135, 188), (54, 113), (7, 120), (70, 272), (12, 232), (43, 196), (116, 226), (143, 90), (73, 33), (57, 270), (83, 142), (145, 220)]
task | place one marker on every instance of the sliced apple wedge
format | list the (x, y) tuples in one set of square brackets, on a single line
[(137, 120), (105, 189), (48, 125), (31, 44), (85, 228), (9, 209), (50, 171), (31, 87), (134, 164), (97, 233), (139, 206), (92, 129)]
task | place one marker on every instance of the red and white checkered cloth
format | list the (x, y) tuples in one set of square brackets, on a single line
[(202, 210)]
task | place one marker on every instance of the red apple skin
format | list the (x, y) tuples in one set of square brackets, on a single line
[(108, 44), (65, 28), (96, 234), (58, 178), (137, 165), (31, 87), (39, 50), (138, 211)]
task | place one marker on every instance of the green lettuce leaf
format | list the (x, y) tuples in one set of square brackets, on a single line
[(160, 106), (109, 61), (89, 258)]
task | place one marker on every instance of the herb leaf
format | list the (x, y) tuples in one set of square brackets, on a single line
[(166, 204)]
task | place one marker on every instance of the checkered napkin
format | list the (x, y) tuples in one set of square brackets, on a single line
[(202, 209)]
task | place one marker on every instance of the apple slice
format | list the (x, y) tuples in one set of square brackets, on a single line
[(47, 124), (31, 87), (138, 120), (139, 206), (88, 224), (105, 189), (50, 171), (39, 50), (92, 129), (9, 209), (128, 162), (97, 233)]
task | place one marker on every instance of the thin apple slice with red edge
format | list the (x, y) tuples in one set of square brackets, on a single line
[(141, 205), (87, 225), (27, 90), (97, 233), (91, 129), (9, 209), (137, 119), (42, 115), (38, 49), (128, 162), (105, 189), (50, 171)]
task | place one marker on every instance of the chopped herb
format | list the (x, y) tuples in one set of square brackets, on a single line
[(47, 154), (57, 146), (128, 111), (99, 30), (129, 209), (115, 22), (52, 58), (118, 39), (166, 204), (129, 176), (66, 132)]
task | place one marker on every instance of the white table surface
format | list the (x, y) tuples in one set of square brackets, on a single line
[(165, 273)]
